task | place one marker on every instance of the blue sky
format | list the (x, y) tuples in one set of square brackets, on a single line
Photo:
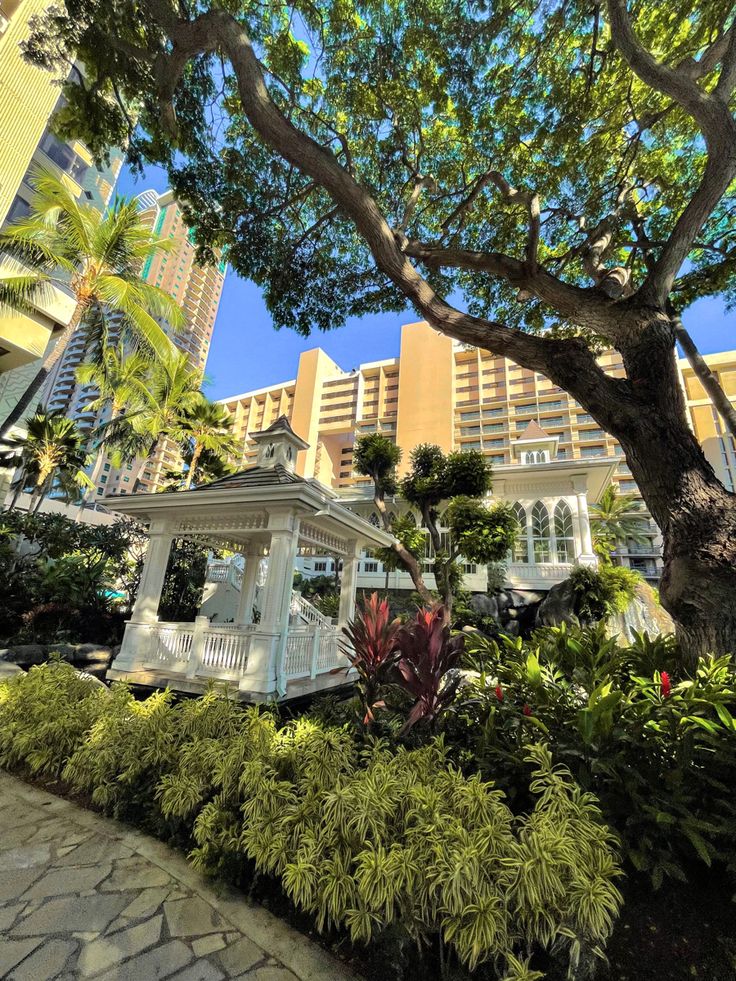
[(247, 353)]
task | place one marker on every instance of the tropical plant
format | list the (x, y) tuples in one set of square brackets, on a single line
[(52, 450), (537, 182), (207, 428), (372, 650), (98, 256), (367, 842), (616, 518), (599, 593), (172, 390), (656, 745), (427, 653)]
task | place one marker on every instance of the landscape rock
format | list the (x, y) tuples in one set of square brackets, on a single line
[(484, 605), (558, 606), (96, 657), (644, 613)]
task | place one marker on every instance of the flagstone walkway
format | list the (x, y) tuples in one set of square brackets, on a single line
[(85, 897)]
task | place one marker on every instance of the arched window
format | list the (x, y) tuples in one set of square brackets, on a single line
[(540, 533), (529, 458), (564, 535), (270, 450), (520, 551), (373, 518)]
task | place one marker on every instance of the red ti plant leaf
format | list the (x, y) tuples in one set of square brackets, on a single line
[(426, 653), (372, 650)]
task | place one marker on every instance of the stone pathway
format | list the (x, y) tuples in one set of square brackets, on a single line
[(85, 897)]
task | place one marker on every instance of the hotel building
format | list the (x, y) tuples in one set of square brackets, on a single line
[(440, 391), (28, 97)]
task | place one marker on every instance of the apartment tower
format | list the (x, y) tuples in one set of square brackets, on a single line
[(28, 97)]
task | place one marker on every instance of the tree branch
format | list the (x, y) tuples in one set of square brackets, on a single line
[(716, 124), (530, 200)]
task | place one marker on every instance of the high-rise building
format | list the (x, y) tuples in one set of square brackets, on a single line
[(28, 97), (440, 391), (197, 289)]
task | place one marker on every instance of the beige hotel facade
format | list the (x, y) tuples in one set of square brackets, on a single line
[(440, 391)]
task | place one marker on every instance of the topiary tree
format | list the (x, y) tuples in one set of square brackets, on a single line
[(478, 532)]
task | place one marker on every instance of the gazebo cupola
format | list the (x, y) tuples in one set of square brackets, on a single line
[(278, 446)]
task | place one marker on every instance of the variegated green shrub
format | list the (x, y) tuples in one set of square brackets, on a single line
[(361, 838)]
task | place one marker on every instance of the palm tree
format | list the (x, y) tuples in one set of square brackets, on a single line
[(171, 390), (98, 258), (52, 449), (615, 518), (207, 427), (120, 378)]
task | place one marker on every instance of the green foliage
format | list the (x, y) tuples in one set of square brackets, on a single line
[(599, 593), (482, 534), (181, 596), (616, 519), (44, 716), (59, 577), (414, 539), (435, 477), (657, 747), (366, 841), (51, 452), (376, 456)]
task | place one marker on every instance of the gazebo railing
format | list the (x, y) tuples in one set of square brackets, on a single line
[(311, 651), (221, 651)]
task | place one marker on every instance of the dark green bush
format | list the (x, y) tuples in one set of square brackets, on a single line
[(363, 839), (598, 593), (656, 746)]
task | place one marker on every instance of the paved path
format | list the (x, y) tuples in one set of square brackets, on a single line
[(85, 897)]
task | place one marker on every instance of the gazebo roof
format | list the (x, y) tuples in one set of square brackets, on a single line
[(255, 477), (239, 509)]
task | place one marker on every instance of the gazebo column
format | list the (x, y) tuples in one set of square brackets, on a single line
[(248, 587), (586, 556), (269, 639), (349, 582), (137, 640)]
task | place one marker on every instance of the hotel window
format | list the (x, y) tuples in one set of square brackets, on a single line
[(371, 566), (564, 537), (540, 533), (520, 551), (469, 416), (592, 451)]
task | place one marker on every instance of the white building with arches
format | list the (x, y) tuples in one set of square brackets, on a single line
[(550, 498)]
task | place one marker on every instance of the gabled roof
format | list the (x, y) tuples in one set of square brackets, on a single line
[(281, 426), (254, 477), (535, 431)]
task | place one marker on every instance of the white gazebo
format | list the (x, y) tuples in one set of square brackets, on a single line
[(266, 510)]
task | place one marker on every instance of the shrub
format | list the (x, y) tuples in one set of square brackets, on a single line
[(371, 650), (45, 714), (656, 746), (361, 839), (599, 593)]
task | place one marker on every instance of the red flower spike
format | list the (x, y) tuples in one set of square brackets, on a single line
[(527, 710), (499, 693), (666, 686)]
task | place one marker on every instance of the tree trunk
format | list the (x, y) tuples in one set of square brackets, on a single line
[(707, 379), (406, 559), (47, 366), (193, 466), (694, 511), (441, 566)]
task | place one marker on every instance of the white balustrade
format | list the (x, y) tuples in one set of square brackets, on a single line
[(307, 611), (529, 572), (225, 652), (312, 651), (172, 643)]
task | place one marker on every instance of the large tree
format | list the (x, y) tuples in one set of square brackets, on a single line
[(566, 168)]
